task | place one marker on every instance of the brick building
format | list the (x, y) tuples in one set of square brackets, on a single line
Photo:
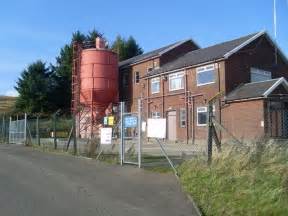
[(176, 81)]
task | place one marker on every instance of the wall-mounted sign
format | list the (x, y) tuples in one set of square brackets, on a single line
[(106, 136), (130, 121), (111, 120), (105, 121), (156, 128)]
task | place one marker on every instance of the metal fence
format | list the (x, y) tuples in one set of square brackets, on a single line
[(4, 130), (17, 130)]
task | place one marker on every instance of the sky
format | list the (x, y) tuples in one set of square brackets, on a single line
[(36, 29)]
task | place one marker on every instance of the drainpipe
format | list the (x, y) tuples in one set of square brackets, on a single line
[(186, 108), (163, 110)]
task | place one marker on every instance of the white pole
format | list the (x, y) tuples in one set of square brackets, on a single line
[(10, 120), (139, 133)]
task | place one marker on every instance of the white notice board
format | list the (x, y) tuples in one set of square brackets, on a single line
[(156, 128), (106, 136)]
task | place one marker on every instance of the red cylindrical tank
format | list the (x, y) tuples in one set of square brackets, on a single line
[(98, 79)]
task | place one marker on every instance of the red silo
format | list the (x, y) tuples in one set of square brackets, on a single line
[(98, 85)]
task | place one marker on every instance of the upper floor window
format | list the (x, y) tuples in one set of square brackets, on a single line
[(257, 75), (137, 77), (155, 85), (176, 81), (206, 75)]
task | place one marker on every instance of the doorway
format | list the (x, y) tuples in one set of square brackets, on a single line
[(171, 125)]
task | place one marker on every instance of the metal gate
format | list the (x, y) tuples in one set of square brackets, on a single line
[(17, 130), (130, 135), (276, 117)]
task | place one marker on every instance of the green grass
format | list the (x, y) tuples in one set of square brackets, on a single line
[(7, 104), (247, 181)]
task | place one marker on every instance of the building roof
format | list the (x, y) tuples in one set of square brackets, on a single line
[(151, 54), (218, 51), (256, 89)]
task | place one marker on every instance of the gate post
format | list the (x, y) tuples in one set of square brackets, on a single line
[(121, 133), (139, 133), (25, 129), (9, 130)]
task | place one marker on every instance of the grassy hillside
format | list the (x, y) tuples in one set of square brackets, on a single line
[(249, 181), (7, 104)]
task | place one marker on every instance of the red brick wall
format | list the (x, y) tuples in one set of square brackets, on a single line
[(166, 100), (259, 54), (243, 119)]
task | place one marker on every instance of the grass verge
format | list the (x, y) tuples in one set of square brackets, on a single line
[(241, 181)]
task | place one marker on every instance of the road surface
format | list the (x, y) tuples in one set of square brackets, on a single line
[(34, 183)]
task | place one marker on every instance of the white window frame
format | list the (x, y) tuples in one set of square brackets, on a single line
[(153, 81), (182, 116), (204, 69), (260, 72), (176, 76), (155, 115), (202, 109), (135, 77)]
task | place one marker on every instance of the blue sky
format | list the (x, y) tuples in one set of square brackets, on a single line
[(37, 29)]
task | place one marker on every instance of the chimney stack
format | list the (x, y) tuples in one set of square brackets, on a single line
[(100, 43)]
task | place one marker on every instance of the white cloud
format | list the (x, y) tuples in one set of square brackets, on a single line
[(12, 93)]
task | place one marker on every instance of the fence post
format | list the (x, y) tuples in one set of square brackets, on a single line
[(37, 131), (121, 132), (54, 131), (9, 129), (3, 130), (25, 128), (209, 138), (139, 133), (74, 136)]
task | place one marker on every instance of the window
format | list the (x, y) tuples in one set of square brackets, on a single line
[(176, 81), (137, 77), (205, 75), (201, 116), (182, 117), (155, 115), (149, 69), (257, 75), (155, 85), (125, 79)]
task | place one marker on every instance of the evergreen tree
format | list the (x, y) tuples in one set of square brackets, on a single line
[(126, 48), (33, 88), (132, 48)]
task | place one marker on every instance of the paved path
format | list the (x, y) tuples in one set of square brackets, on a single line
[(34, 183)]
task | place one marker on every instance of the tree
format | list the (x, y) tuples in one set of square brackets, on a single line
[(61, 78), (119, 47), (132, 48), (33, 88), (92, 35), (126, 48)]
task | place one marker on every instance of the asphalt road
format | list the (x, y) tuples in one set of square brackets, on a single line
[(34, 183)]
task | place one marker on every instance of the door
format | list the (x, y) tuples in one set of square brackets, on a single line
[(171, 126)]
